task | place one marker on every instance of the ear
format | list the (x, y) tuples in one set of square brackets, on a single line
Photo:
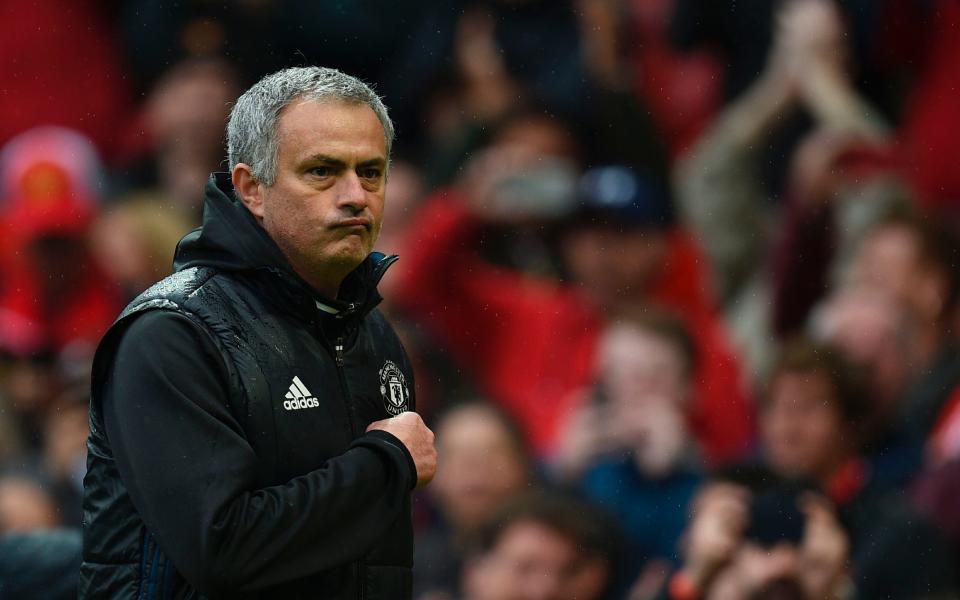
[(249, 189)]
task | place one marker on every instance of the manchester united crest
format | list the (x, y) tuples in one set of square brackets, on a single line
[(393, 388)]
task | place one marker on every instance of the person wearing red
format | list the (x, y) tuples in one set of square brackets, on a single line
[(531, 343), (52, 294)]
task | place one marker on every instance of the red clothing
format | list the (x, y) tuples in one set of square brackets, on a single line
[(532, 343), (60, 66), (943, 444), (46, 194), (30, 322), (931, 130), (682, 89)]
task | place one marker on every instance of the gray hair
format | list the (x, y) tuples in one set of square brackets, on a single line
[(252, 128)]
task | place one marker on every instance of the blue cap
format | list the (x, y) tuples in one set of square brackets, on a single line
[(618, 195)]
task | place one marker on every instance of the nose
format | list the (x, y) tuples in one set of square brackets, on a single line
[(350, 193)]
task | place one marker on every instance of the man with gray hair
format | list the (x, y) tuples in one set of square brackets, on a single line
[(252, 431)]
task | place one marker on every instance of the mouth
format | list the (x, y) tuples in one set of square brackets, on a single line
[(355, 222)]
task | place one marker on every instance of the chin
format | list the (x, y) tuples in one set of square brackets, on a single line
[(350, 258)]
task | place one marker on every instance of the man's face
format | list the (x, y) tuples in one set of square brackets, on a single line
[(480, 467), (801, 427), (887, 259), (872, 329), (613, 266), (530, 562), (325, 208)]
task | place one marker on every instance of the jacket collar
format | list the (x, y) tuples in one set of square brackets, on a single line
[(230, 239)]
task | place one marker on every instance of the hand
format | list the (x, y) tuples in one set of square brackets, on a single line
[(808, 45), (813, 30), (815, 172), (720, 516), (488, 90), (409, 428), (824, 550), (584, 439), (486, 171), (654, 429)]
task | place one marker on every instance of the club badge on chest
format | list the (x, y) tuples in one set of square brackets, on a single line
[(393, 388)]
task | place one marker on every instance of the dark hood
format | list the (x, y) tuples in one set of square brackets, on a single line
[(231, 239)]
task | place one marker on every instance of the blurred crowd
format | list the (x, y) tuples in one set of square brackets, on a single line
[(679, 278)]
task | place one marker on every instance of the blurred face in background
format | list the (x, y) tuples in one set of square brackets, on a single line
[(647, 381), (190, 105), (532, 561), (25, 506), (479, 466), (613, 266), (891, 259), (887, 260), (801, 426), (871, 329), (640, 366)]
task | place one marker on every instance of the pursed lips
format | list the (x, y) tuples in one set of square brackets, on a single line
[(354, 222)]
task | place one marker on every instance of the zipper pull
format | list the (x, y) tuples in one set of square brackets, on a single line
[(339, 351), (346, 312)]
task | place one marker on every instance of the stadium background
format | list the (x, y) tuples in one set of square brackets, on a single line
[(668, 241)]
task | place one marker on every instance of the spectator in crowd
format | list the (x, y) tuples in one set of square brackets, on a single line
[(895, 313), (753, 535), (541, 548), (38, 557), (183, 123), (872, 330), (629, 447), (29, 386), (134, 239), (25, 502), (65, 452), (52, 295), (40, 564), (809, 430), (478, 61), (834, 176), (531, 343), (914, 261), (482, 463), (614, 339)]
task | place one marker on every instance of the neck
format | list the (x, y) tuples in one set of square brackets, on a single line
[(328, 287)]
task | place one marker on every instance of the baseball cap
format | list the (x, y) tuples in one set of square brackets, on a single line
[(620, 196)]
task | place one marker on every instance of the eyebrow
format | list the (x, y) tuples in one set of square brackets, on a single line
[(340, 164)]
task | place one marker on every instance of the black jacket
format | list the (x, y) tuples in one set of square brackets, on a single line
[(227, 453)]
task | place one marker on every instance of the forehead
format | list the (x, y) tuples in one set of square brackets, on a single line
[(531, 539), (630, 344), (333, 128), (810, 389)]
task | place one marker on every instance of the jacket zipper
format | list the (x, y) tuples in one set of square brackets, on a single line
[(348, 400), (339, 351)]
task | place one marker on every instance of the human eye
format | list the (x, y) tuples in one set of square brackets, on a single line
[(321, 171), (372, 173)]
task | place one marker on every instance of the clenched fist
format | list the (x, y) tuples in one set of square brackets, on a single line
[(409, 428)]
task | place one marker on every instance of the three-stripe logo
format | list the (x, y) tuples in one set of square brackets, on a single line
[(299, 396)]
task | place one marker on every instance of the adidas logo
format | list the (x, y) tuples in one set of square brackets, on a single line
[(299, 396)]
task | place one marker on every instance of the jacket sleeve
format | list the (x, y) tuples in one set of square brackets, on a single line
[(190, 472)]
